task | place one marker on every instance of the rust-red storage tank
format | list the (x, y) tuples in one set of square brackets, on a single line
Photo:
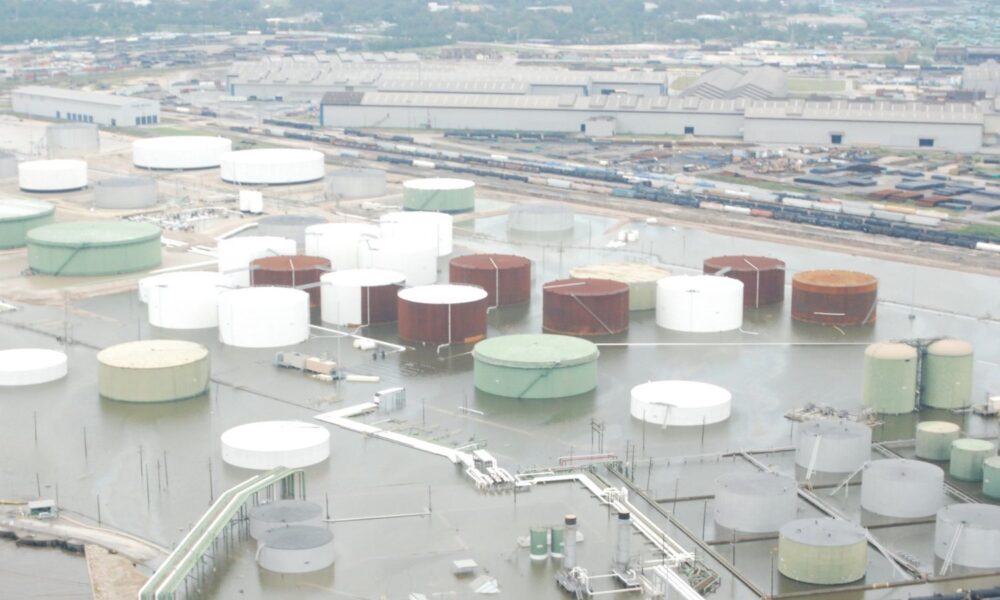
[(763, 277), (829, 297), (442, 314), (506, 273), (299, 271), (585, 306)]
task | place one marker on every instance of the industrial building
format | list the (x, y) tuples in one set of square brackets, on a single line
[(108, 110), (761, 83)]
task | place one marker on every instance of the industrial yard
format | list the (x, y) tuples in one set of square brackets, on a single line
[(253, 351)]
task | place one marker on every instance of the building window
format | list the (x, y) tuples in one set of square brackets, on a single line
[(926, 143), (137, 120), (836, 138), (114, 122), (688, 130), (155, 119)]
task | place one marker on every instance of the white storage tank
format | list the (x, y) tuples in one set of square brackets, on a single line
[(264, 445), (66, 140), (834, 446), (755, 502), (179, 152), (680, 403), (360, 296), (414, 257), (8, 164), (978, 544), (699, 303), (540, 219), (283, 513), (251, 202), (125, 192), (183, 300), (30, 366), (296, 549), (292, 227), (419, 224), (62, 175), (339, 242), (272, 166), (236, 254), (263, 317), (901, 488), (355, 183)]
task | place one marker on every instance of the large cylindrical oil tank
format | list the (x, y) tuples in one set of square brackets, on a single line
[(360, 296), (283, 513), (18, 217), (8, 164), (31, 366), (640, 277), (438, 194), (699, 303), (585, 307), (834, 297), (934, 438), (355, 183), (179, 152), (442, 314), (300, 272), (822, 551), (535, 366), (967, 456), (759, 502), (265, 445), (90, 248), (292, 227), (889, 379), (763, 277), (419, 224), (236, 254), (271, 166), (263, 317), (153, 371), (834, 446), (125, 192), (978, 544), (991, 477), (947, 374), (65, 140), (540, 220), (680, 403), (538, 543), (505, 277), (62, 175), (414, 257), (296, 549), (901, 488), (183, 300), (339, 242)]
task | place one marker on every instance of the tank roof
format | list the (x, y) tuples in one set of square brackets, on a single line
[(950, 347), (533, 350), (182, 142), (891, 351), (296, 537), (973, 445), (541, 208), (125, 182), (698, 284), (834, 278), (93, 233), (823, 532), (439, 183), (976, 516), (758, 483), (355, 172), (275, 436), (623, 272), (745, 263), (490, 262), (835, 428), (683, 394), (938, 427), (290, 263), (152, 354), (901, 469), (16, 360), (443, 294), (272, 156), (585, 287), (18, 209)]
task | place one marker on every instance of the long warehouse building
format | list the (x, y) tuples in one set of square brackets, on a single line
[(108, 110), (954, 127)]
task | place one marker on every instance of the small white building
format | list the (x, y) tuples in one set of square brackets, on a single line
[(107, 110)]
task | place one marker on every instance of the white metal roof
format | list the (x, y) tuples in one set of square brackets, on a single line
[(443, 294), (879, 111), (83, 96)]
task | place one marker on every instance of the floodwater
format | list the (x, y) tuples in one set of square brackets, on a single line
[(152, 470)]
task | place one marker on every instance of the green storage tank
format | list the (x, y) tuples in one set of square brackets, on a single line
[(947, 374), (890, 378), (153, 371), (558, 541), (539, 543), (18, 217), (967, 456), (535, 365), (991, 477), (822, 551), (90, 248), (934, 438), (437, 194)]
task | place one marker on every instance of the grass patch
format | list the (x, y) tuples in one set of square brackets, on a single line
[(982, 229), (145, 132), (816, 85)]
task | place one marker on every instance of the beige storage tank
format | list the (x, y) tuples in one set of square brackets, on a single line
[(153, 371)]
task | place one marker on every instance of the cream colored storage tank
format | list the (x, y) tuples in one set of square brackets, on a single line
[(822, 551), (153, 371)]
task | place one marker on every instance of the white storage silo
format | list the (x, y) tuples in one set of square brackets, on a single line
[(339, 242), (296, 549), (699, 303), (355, 183), (30, 366), (414, 257), (283, 513), (360, 296), (263, 317), (834, 446), (977, 545), (183, 300), (236, 254), (755, 502), (272, 166), (52, 175), (179, 152), (900, 488), (251, 201), (419, 224), (680, 403), (265, 445)]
